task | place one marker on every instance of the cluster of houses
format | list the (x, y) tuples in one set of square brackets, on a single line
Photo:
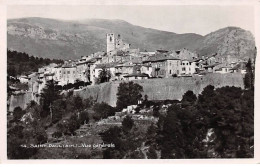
[(124, 63)]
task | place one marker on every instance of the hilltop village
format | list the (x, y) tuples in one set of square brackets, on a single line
[(121, 62), (138, 125)]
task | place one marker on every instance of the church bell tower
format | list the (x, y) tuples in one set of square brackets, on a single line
[(111, 42)]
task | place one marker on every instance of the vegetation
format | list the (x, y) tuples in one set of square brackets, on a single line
[(128, 94), (127, 140), (18, 113), (22, 64), (249, 76), (103, 110), (217, 124), (22, 136), (104, 76), (49, 94), (65, 114)]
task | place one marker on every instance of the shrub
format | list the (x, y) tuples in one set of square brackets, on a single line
[(57, 134), (103, 110)]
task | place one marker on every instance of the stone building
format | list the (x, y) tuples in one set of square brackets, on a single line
[(188, 67), (68, 74), (164, 65), (116, 43)]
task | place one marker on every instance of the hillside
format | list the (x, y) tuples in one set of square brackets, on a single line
[(59, 39), (232, 41), (21, 63)]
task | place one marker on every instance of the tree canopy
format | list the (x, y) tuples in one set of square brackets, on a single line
[(128, 94)]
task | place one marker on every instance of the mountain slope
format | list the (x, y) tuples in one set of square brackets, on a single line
[(71, 39), (232, 41)]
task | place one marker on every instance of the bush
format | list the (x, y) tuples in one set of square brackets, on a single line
[(18, 113), (137, 110), (57, 134), (127, 123), (103, 110), (156, 112), (83, 118), (152, 153)]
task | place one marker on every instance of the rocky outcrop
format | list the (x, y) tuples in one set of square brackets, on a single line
[(21, 100), (232, 41)]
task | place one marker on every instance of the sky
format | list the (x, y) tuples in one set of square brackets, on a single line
[(179, 19)]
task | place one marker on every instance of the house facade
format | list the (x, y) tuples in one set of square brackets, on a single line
[(163, 65)]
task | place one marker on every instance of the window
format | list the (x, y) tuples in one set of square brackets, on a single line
[(183, 69), (68, 72), (187, 63), (170, 71), (190, 63), (189, 69)]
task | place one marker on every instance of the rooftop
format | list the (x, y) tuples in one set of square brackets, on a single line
[(107, 65), (137, 75), (160, 57)]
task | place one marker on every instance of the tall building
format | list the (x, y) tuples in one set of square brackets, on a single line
[(116, 43), (111, 42)]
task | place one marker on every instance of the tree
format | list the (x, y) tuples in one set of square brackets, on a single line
[(152, 153), (232, 122), (103, 110), (205, 100), (58, 110), (228, 111), (128, 94), (104, 75), (18, 113), (182, 134), (49, 95), (113, 135), (127, 124), (73, 124), (188, 99), (78, 103), (21, 63), (156, 112), (89, 102), (249, 76), (83, 118)]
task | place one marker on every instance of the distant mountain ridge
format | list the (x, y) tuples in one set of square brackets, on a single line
[(51, 38)]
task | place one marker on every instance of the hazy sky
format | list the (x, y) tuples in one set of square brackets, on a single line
[(179, 19)]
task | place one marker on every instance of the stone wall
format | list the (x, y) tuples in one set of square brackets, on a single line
[(156, 89), (162, 89)]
